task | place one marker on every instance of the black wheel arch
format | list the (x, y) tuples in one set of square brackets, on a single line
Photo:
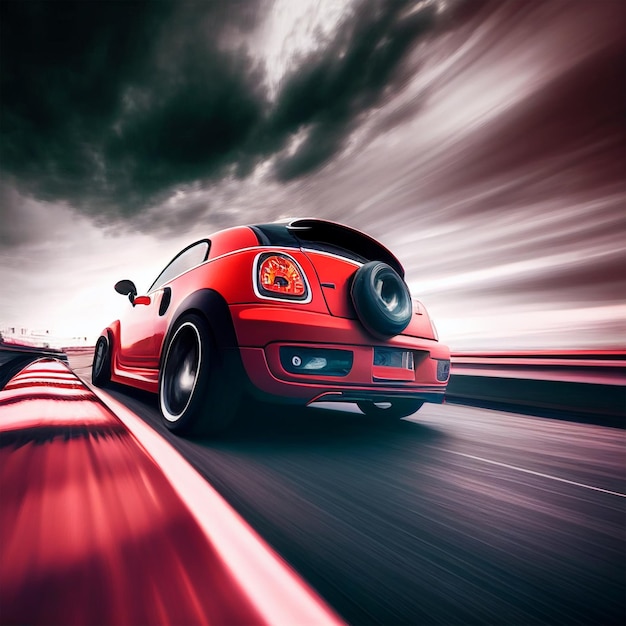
[(212, 306), (112, 334), (222, 387), (102, 376)]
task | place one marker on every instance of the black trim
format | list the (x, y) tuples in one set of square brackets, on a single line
[(346, 394), (349, 395), (326, 236), (344, 237), (338, 362), (166, 298), (212, 306), (275, 235)]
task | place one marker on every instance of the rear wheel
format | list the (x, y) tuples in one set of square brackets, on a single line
[(194, 393), (396, 408), (101, 366)]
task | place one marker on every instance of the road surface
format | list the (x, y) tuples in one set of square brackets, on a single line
[(457, 515)]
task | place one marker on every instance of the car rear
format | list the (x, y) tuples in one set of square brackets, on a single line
[(323, 327)]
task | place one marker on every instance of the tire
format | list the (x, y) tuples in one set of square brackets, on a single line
[(398, 408), (195, 395), (101, 365), (381, 299)]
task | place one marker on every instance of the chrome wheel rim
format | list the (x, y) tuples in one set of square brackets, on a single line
[(180, 373)]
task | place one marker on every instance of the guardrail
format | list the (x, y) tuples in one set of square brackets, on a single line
[(580, 382), (592, 367), (34, 350), (590, 382), (78, 349)]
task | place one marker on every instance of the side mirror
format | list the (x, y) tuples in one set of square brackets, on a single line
[(127, 288)]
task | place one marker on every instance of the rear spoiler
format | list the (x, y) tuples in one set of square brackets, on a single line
[(306, 232)]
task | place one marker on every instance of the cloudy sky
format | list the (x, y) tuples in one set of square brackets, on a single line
[(483, 142)]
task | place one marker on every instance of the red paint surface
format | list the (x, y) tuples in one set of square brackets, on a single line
[(94, 532), (145, 300), (267, 328)]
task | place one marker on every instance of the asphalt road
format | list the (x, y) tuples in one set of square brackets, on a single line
[(457, 515)]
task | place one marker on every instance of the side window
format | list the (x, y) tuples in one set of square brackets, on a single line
[(188, 258)]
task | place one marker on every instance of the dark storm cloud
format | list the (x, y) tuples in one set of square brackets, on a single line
[(332, 88), (15, 227), (111, 105), (107, 104)]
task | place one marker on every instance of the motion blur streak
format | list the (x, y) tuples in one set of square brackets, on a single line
[(498, 176), (93, 532), (274, 590), (601, 367), (541, 474)]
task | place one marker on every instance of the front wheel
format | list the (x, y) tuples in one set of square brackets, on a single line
[(395, 408), (193, 388), (101, 366)]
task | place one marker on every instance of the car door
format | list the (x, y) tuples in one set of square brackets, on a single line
[(142, 329), (137, 344)]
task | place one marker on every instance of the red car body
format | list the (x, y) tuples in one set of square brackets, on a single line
[(276, 302)]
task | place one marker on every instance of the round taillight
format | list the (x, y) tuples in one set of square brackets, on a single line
[(278, 275)]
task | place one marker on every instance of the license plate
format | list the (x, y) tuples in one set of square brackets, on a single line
[(390, 357)]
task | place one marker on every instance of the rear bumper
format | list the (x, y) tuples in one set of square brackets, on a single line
[(263, 331)]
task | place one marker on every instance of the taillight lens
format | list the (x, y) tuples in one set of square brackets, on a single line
[(279, 276)]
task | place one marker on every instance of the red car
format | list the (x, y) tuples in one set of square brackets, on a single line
[(296, 312)]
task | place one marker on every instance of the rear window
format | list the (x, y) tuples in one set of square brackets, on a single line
[(311, 244), (327, 237)]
